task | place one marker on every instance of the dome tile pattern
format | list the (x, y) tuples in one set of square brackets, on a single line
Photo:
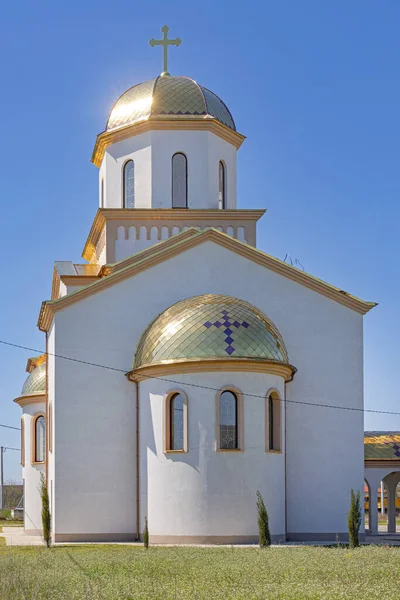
[(210, 327), (35, 383), (163, 96), (382, 445)]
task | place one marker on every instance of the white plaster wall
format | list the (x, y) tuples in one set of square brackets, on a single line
[(204, 492), (94, 406), (152, 153), (51, 369), (31, 472)]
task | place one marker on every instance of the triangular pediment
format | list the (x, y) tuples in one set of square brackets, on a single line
[(129, 267)]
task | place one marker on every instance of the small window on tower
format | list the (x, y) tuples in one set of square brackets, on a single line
[(39, 450), (179, 181), (222, 185), (129, 184)]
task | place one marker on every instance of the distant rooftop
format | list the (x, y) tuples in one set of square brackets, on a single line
[(382, 445)]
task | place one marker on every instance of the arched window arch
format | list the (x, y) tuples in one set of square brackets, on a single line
[(229, 420), (179, 181), (176, 422), (273, 422), (129, 184), (39, 439), (222, 185)]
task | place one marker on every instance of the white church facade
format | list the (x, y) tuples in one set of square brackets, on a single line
[(185, 369)]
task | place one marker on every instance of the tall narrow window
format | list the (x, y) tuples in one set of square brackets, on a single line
[(273, 422), (129, 184), (179, 181), (222, 185), (102, 193), (176, 422), (228, 421), (40, 439), (22, 442)]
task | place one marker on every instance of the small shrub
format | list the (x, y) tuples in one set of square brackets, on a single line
[(46, 518), (354, 519), (263, 524), (146, 534)]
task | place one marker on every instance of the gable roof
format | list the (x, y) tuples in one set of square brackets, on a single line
[(111, 274)]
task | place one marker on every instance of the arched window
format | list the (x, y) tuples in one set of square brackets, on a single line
[(176, 422), (129, 184), (228, 421), (222, 185), (273, 422), (179, 181), (40, 439)]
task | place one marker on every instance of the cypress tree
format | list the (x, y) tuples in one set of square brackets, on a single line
[(46, 518), (146, 534), (263, 524), (354, 519)]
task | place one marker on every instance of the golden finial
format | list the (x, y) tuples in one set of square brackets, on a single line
[(165, 42)]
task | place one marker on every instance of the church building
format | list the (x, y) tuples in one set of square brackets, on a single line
[(185, 369)]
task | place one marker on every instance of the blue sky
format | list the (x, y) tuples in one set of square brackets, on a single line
[(313, 85)]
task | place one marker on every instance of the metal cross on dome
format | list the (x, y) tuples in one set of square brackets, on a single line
[(165, 42), (227, 324)]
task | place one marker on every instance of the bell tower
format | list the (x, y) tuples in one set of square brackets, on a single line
[(167, 161)]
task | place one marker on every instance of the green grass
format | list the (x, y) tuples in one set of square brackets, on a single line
[(128, 573), (2, 541)]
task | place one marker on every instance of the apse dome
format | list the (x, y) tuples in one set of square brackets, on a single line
[(35, 383), (210, 327), (167, 97)]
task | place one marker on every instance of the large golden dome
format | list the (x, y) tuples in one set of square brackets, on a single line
[(210, 327), (168, 98)]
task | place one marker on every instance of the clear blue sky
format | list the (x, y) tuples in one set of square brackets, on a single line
[(315, 87)]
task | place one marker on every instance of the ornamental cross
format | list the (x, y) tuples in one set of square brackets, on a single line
[(227, 324), (165, 42)]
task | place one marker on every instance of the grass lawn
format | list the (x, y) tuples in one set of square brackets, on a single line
[(127, 572)]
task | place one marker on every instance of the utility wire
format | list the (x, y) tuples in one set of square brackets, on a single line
[(285, 401), (9, 427)]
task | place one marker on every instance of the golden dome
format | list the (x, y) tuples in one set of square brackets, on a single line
[(209, 327), (168, 97), (35, 383)]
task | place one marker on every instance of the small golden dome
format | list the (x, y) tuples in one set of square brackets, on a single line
[(35, 383), (209, 327), (168, 97)]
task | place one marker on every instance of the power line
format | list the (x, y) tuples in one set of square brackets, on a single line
[(10, 427), (8, 448), (285, 401)]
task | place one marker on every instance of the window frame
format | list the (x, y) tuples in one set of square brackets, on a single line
[(167, 422), (239, 419), (126, 163), (222, 200), (186, 181), (35, 418), (102, 193), (273, 406)]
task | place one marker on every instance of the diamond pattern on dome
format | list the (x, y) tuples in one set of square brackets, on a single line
[(35, 383), (134, 105), (218, 109), (210, 326), (382, 445), (177, 96)]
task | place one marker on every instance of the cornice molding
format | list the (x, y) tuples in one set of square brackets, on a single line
[(167, 123), (208, 365), (30, 399), (162, 252), (161, 214), (383, 463)]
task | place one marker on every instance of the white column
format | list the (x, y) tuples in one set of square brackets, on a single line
[(382, 498)]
